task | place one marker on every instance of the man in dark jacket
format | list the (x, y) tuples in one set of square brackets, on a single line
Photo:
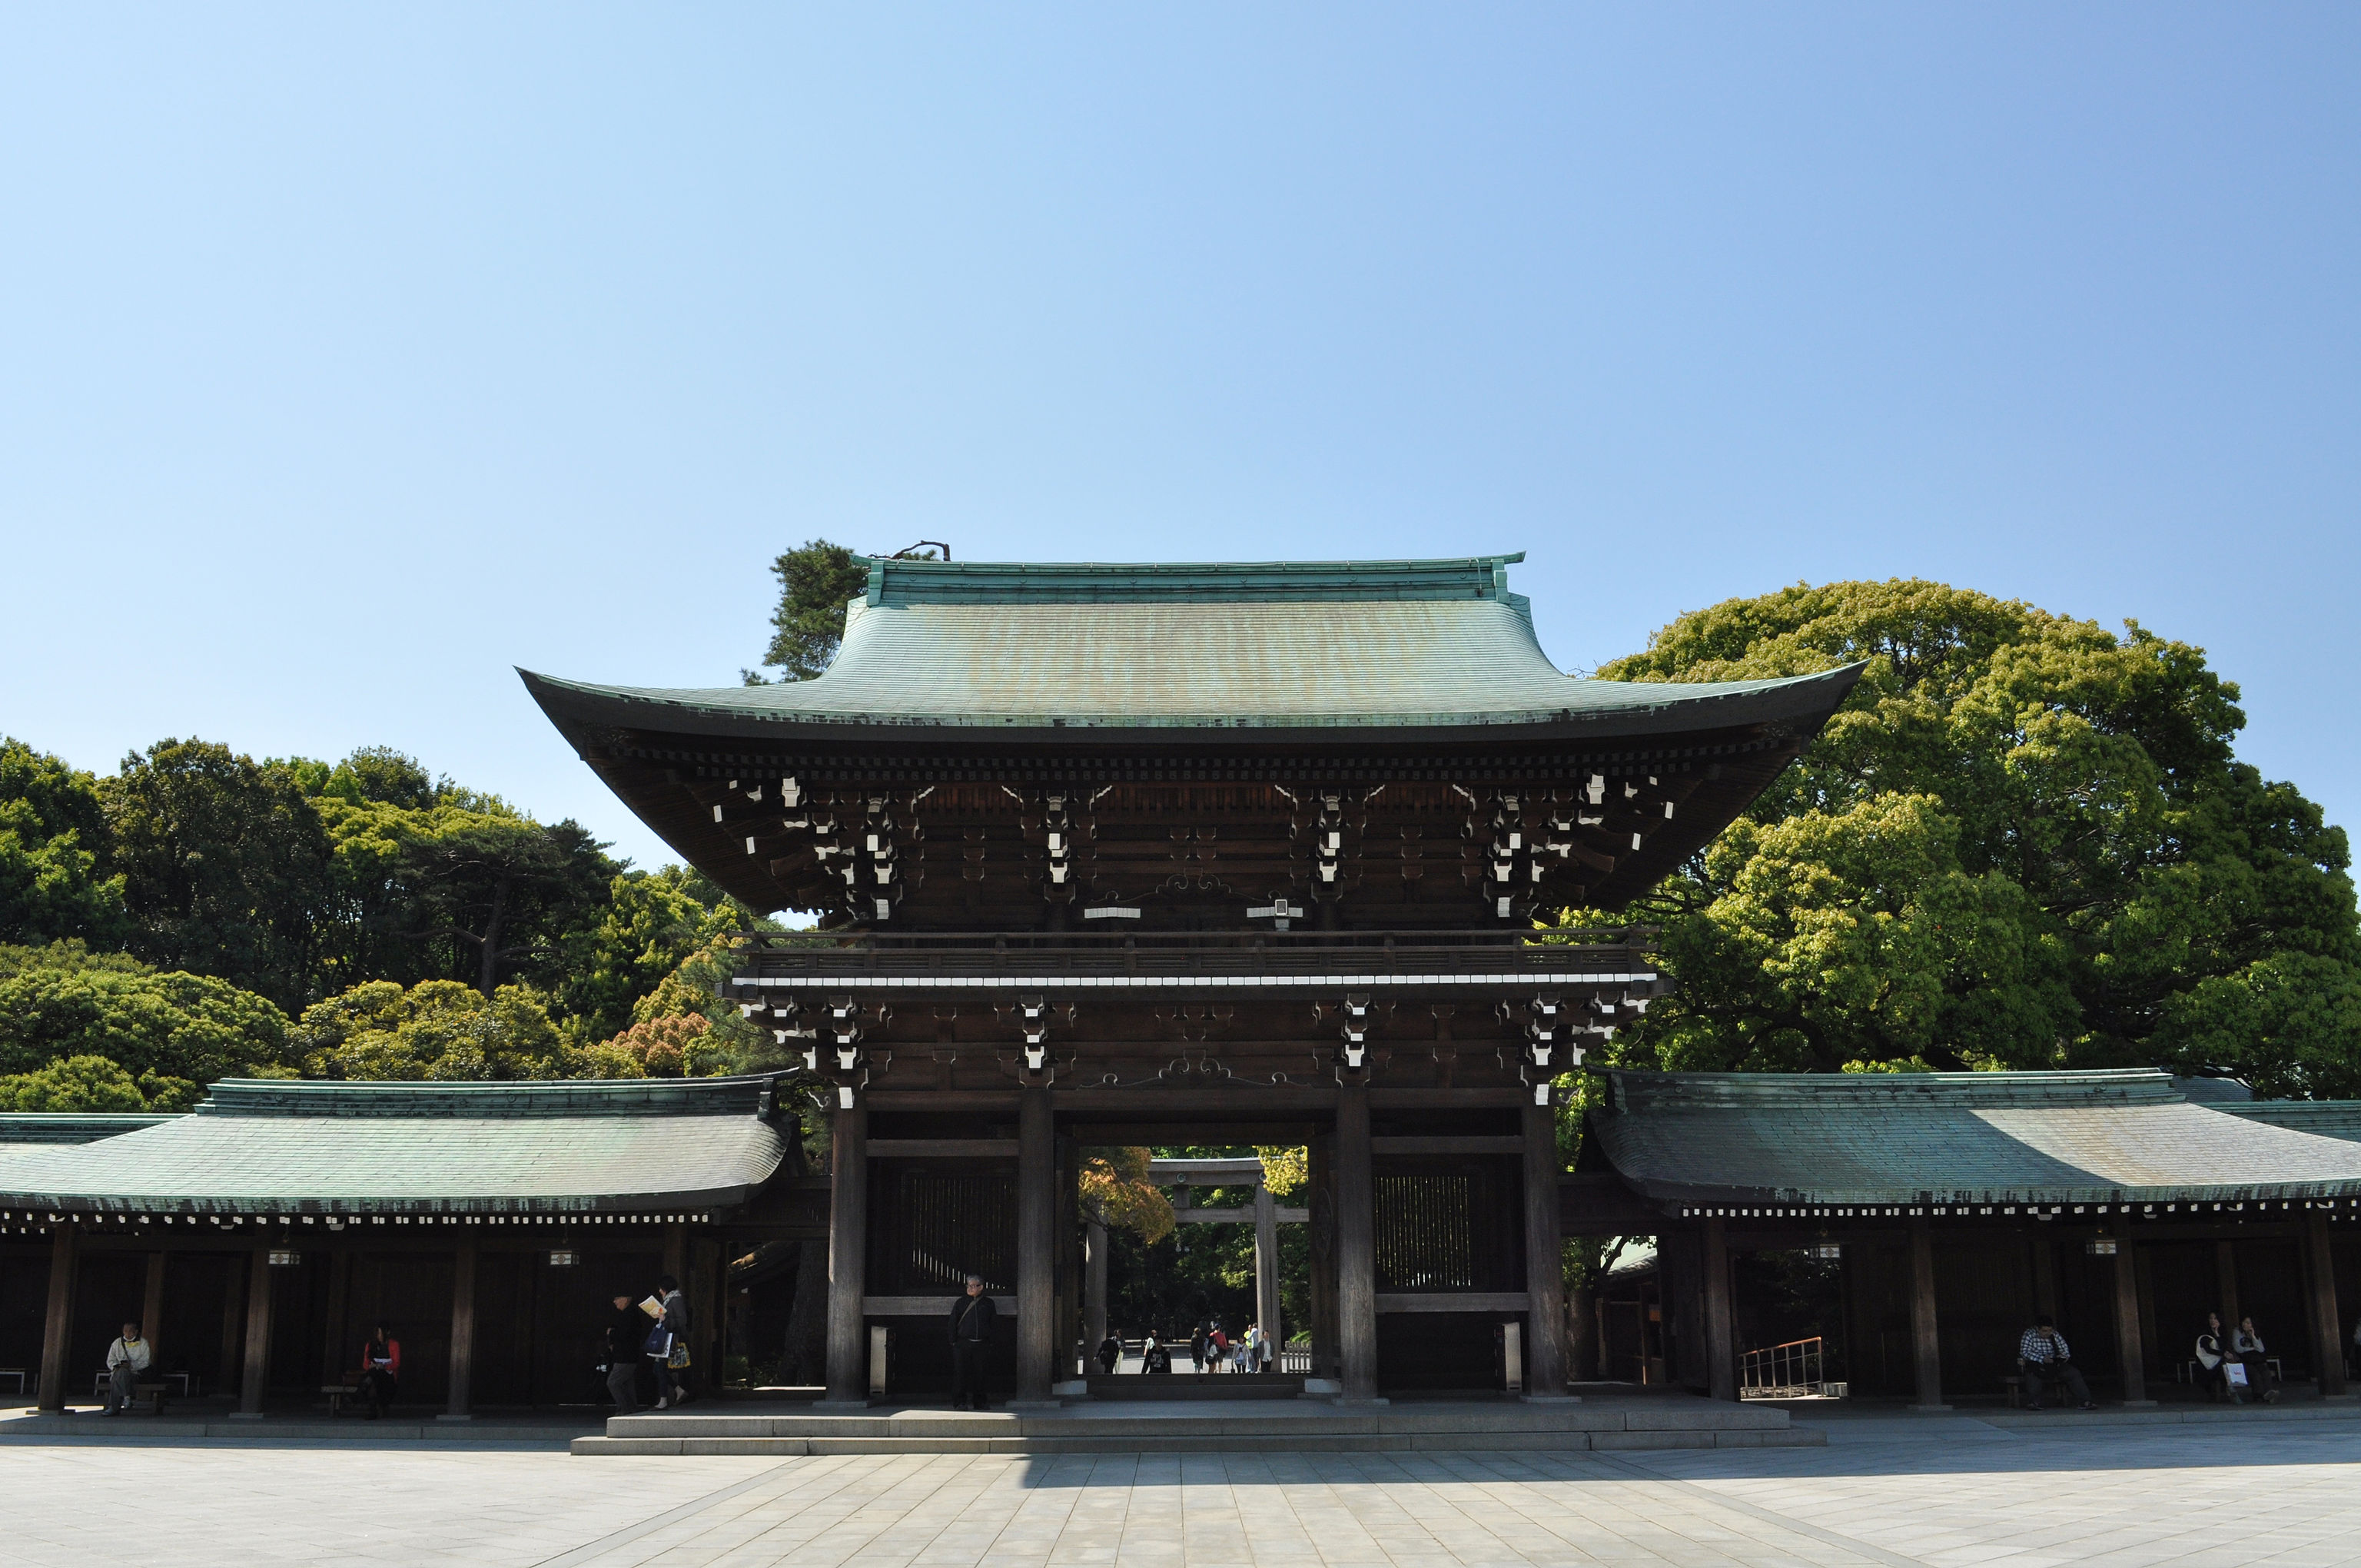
[(970, 1332), (625, 1331)]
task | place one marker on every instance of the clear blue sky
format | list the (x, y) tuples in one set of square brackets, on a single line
[(350, 356)]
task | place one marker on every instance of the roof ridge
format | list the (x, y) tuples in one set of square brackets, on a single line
[(737, 1095), (1714, 1091), (898, 583)]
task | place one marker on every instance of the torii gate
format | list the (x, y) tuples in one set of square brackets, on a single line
[(1264, 1213)]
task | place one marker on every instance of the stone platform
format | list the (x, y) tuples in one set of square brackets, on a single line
[(1212, 1426)]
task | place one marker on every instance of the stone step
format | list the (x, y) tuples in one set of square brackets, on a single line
[(1198, 1386), (1168, 1442)]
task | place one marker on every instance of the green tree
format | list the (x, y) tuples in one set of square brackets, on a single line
[(436, 1029), (2024, 841), (52, 839), (225, 865), (651, 923), (817, 579), (171, 1033), (73, 1083)]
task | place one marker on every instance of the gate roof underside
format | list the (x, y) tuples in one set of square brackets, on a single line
[(1980, 1138)]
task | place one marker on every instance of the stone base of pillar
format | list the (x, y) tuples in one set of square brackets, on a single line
[(840, 1406), (1928, 1409), (1549, 1399), (448, 1416), (1035, 1405), (247, 1415), (1078, 1389), (2136, 1405), (1342, 1403)]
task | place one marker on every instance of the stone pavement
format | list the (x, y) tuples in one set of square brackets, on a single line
[(1943, 1491)]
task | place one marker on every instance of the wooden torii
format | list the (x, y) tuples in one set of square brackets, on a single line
[(1264, 1213)]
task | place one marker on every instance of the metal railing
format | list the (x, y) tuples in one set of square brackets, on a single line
[(1790, 1371)]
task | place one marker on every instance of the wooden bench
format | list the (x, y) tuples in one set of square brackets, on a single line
[(339, 1394)]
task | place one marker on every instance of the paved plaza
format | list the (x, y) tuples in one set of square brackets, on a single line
[(1941, 1491)]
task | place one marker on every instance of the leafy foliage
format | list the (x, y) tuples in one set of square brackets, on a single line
[(170, 1033), (2024, 841), (73, 1083), (817, 579), (52, 835), (436, 1029), (1116, 1192)]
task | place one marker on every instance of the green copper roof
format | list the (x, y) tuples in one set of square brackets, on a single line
[(2322, 1118), (1918, 1138), (1317, 646), (276, 1146), (19, 1128)]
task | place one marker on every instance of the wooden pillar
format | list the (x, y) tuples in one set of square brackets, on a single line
[(1321, 1165), (1545, 1259), (151, 1309), (2225, 1284), (1926, 1340), (1037, 1224), (709, 1316), (2127, 1325), (1266, 1270), (233, 1331), (1357, 1246), (847, 1259), (2045, 1275), (254, 1381), (1720, 1325), (333, 1349), (2327, 1336), (462, 1334), (1094, 1290), (1066, 1231), (57, 1329)]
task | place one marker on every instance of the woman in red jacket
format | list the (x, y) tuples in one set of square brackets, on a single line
[(380, 1369)]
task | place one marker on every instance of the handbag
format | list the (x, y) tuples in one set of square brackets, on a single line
[(2236, 1371), (658, 1342), (678, 1356)]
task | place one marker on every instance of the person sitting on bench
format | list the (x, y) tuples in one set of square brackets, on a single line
[(2247, 1348), (380, 1369), (127, 1358), (2042, 1357)]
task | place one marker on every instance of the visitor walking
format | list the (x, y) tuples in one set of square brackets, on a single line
[(671, 1364), (1111, 1352), (1197, 1346)]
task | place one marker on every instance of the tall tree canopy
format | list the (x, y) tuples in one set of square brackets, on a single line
[(816, 580), (53, 840), (2024, 841), (225, 865)]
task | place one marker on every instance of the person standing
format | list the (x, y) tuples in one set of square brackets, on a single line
[(127, 1358), (2042, 1357), (972, 1317), (2246, 1347), (1197, 1342), (672, 1361), (1110, 1353), (623, 1337), (381, 1370)]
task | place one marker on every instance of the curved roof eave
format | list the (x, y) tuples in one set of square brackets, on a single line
[(1652, 708)]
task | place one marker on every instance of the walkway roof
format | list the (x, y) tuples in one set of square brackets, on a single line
[(1950, 1138), (282, 1146)]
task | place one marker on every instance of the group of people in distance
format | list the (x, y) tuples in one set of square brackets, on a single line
[(1210, 1350), (2236, 1371)]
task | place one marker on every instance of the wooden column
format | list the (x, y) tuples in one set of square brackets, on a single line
[(1321, 1165), (1721, 1326), (847, 1259), (1926, 1341), (1094, 1288), (2327, 1331), (709, 1323), (335, 1355), (2045, 1275), (57, 1329), (2127, 1325), (1545, 1259), (254, 1381), (233, 1330), (1267, 1270), (151, 1310), (1357, 1246), (1037, 1225), (2225, 1284), (462, 1334)]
